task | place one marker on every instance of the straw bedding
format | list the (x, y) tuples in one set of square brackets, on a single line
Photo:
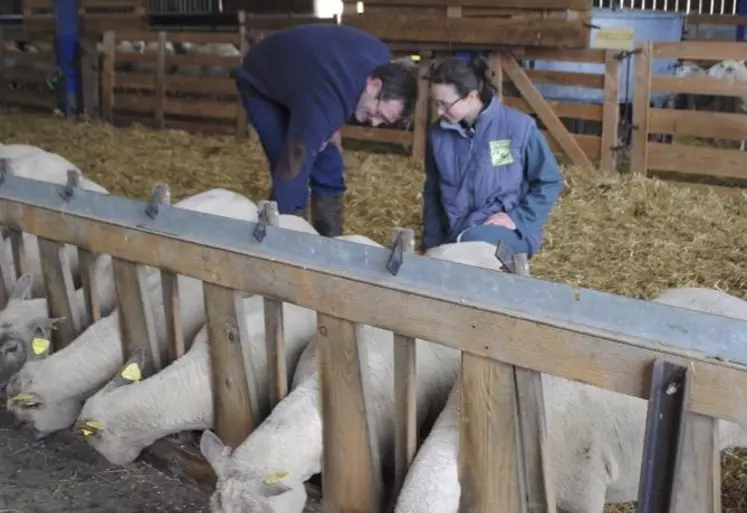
[(623, 234)]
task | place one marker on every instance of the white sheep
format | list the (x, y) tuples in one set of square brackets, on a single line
[(732, 70), (595, 436), (120, 421), (23, 319), (35, 163), (288, 444), (49, 391)]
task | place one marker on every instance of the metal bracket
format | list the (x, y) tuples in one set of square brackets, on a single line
[(260, 229), (506, 257), (627, 53), (73, 182), (397, 255), (666, 412), (161, 195)]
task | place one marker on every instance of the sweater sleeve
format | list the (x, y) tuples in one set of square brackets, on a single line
[(433, 225), (310, 127), (545, 184)]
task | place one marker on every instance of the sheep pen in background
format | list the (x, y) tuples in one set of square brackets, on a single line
[(630, 235)]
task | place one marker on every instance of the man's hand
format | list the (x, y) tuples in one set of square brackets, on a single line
[(501, 219)]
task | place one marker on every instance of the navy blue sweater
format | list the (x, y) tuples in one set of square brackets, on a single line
[(318, 71)]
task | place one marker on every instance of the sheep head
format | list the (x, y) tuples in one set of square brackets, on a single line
[(244, 491)]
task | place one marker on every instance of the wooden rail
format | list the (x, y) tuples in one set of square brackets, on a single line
[(688, 159), (604, 340), (28, 80), (162, 97)]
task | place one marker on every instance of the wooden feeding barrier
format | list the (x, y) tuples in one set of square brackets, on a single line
[(28, 79), (643, 349), (688, 159), (441, 24)]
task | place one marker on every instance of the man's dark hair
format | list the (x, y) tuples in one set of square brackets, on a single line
[(398, 82)]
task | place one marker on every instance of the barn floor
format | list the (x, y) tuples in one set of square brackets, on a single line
[(62, 474), (627, 235)]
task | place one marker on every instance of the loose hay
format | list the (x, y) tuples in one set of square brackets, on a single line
[(627, 235)]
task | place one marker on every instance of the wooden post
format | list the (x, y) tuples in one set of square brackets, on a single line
[(242, 130), (490, 455), (405, 390), (107, 75), (420, 126), (350, 469), (610, 111), (274, 334), (234, 401), (161, 81), (60, 291), (641, 97), (90, 76)]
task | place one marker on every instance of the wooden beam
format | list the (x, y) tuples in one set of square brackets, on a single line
[(556, 128), (641, 106), (60, 291), (601, 339), (351, 469)]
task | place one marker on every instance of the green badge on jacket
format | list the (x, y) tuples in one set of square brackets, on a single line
[(500, 152)]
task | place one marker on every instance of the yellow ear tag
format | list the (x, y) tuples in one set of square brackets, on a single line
[(276, 477), (21, 397), (132, 373), (40, 346), (90, 428)]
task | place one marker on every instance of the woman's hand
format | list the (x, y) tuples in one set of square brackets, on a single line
[(501, 219)]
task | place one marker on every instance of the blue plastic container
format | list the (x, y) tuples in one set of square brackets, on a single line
[(647, 26)]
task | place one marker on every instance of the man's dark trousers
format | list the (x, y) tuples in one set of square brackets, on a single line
[(326, 178)]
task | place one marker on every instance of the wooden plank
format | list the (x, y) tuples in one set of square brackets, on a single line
[(175, 343), (18, 249), (60, 291), (89, 284), (161, 80), (641, 94), (698, 85), (693, 123), (544, 112), (198, 59), (24, 98), (488, 32), (179, 83), (405, 388), (7, 275), (566, 78), (716, 19), (200, 108), (534, 441), (697, 478), (107, 76), (490, 459), (420, 122), (234, 401), (174, 36), (242, 124), (577, 5), (274, 324), (611, 111), (570, 110), (351, 468), (380, 135), (25, 76), (571, 348), (135, 310), (582, 55), (698, 160), (703, 50)]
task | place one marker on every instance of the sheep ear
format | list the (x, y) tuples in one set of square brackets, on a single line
[(22, 288), (132, 370), (214, 450)]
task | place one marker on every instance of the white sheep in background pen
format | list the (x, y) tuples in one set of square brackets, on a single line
[(123, 418), (288, 444), (733, 71), (595, 436), (32, 162), (49, 390)]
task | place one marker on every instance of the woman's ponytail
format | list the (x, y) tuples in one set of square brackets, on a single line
[(485, 76)]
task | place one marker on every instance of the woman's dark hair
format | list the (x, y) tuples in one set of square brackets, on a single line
[(465, 75)]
